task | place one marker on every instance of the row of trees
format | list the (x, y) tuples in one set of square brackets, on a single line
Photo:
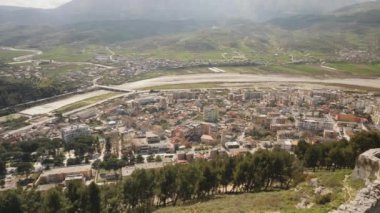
[(75, 198), (337, 155), (173, 184), (13, 92)]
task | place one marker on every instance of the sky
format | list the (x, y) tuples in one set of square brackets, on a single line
[(46, 4)]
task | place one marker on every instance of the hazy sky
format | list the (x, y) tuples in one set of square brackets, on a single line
[(34, 3)]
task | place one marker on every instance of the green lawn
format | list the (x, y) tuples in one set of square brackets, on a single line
[(280, 201)]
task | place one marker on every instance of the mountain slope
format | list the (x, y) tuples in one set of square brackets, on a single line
[(316, 36), (95, 10), (358, 8)]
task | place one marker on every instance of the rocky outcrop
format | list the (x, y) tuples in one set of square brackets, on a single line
[(368, 166), (368, 199)]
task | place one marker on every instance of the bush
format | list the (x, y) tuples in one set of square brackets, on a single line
[(323, 199), (73, 161)]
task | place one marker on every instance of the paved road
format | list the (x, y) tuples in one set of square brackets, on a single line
[(24, 57), (242, 78)]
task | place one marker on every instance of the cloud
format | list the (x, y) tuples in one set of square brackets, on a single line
[(34, 3)]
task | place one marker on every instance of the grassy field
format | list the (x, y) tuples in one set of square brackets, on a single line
[(54, 71), (86, 102), (7, 56), (72, 54), (357, 69), (13, 122), (279, 201)]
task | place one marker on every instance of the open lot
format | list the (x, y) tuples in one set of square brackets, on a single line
[(86, 102), (50, 107)]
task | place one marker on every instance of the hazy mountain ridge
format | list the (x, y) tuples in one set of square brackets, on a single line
[(357, 8), (95, 10), (326, 34)]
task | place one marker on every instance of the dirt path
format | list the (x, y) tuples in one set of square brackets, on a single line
[(347, 188)]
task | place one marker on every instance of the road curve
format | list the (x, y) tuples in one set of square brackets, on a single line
[(24, 58), (34, 52)]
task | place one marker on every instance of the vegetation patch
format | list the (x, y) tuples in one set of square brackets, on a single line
[(13, 122)]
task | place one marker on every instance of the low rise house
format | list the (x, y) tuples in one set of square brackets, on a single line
[(69, 134), (58, 175)]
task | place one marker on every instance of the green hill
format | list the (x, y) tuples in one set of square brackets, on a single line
[(347, 36), (279, 201)]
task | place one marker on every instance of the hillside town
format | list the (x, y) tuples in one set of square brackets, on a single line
[(151, 129)]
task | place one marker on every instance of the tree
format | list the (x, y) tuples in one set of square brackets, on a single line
[(73, 161), (93, 198), (138, 190), (364, 141), (209, 181), (10, 202), (312, 157), (32, 201), (24, 167), (188, 181), (150, 158), (54, 201), (167, 185), (3, 169), (82, 145), (131, 192), (96, 164), (227, 173), (108, 144), (158, 159), (76, 194), (111, 199), (301, 149), (139, 159), (112, 164)]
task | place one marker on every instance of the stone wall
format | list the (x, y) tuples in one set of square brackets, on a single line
[(368, 199)]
